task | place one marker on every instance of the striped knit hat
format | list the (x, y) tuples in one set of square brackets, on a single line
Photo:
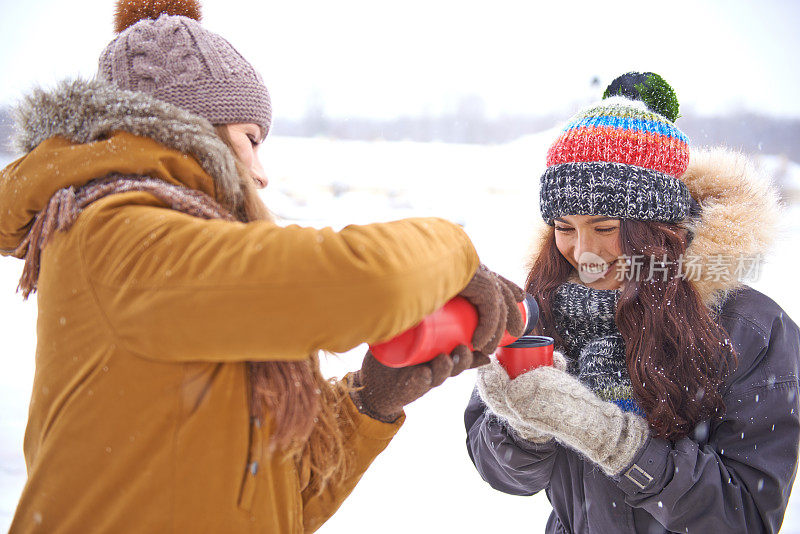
[(622, 157)]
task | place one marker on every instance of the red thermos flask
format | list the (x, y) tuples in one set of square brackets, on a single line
[(442, 331)]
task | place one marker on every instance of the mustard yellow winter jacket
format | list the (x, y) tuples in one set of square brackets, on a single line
[(139, 418)]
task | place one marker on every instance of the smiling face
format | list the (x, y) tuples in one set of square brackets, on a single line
[(590, 243), (246, 139)]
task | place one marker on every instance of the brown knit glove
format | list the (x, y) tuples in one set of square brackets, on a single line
[(381, 392), (496, 300)]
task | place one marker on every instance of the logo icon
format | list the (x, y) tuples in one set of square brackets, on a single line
[(592, 267)]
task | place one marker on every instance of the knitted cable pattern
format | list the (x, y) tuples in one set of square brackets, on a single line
[(176, 60), (161, 55)]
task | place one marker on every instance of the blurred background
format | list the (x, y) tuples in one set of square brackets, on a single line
[(446, 108)]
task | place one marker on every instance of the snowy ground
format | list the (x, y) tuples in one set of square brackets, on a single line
[(424, 481)]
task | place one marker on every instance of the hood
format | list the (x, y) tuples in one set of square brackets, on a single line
[(83, 130), (738, 218)]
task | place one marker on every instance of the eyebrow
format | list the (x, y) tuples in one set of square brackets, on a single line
[(591, 221)]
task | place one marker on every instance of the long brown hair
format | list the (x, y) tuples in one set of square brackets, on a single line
[(300, 403), (676, 353)]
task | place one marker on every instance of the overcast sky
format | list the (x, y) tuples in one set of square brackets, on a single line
[(383, 59)]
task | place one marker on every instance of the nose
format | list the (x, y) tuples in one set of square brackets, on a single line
[(258, 173), (585, 243)]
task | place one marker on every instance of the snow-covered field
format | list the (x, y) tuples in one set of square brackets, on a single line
[(424, 481)]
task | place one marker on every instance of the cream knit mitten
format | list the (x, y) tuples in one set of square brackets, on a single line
[(493, 382), (547, 401), (556, 402)]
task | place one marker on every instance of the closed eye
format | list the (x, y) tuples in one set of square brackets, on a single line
[(566, 229), (253, 140)]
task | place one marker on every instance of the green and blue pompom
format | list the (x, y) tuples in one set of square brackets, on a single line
[(648, 87)]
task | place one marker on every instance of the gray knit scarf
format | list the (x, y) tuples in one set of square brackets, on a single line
[(595, 349)]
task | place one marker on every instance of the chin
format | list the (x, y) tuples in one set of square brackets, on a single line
[(605, 284)]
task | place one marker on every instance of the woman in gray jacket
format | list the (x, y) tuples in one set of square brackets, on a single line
[(674, 406)]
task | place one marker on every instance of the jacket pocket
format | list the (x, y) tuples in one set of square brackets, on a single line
[(559, 527), (253, 465)]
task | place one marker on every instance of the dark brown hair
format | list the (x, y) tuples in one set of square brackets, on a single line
[(676, 353), (302, 406)]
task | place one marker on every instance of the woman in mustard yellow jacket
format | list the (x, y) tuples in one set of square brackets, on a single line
[(177, 386)]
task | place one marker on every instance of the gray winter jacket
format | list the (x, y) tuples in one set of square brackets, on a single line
[(733, 475)]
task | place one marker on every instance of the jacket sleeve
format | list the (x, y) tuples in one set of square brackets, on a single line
[(507, 462), (736, 475), (364, 439), (179, 288)]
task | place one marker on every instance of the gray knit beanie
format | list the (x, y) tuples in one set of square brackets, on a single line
[(163, 52)]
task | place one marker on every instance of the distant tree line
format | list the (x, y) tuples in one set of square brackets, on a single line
[(748, 132)]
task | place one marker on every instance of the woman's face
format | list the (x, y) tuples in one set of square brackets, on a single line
[(246, 138), (591, 244)]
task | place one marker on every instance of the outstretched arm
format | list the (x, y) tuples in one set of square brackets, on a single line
[(223, 291)]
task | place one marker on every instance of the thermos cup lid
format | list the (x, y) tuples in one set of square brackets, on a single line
[(532, 341), (533, 314)]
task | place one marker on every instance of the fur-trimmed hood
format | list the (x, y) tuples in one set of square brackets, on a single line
[(739, 214), (83, 112)]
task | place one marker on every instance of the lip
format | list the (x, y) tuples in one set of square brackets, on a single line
[(260, 182), (596, 273)]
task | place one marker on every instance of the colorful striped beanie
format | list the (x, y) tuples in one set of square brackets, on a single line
[(621, 157)]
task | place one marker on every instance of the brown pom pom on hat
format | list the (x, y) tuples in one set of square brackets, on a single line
[(129, 12), (163, 50)]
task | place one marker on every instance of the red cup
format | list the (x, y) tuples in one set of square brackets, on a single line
[(528, 352)]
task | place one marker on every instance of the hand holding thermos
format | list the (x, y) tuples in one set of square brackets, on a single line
[(382, 391), (496, 300), (489, 312)]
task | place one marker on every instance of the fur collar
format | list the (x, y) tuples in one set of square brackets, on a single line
[(84, 111), (739, 216), (739, 213)]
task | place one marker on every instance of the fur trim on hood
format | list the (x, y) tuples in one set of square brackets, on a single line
[(85, 111), (739, 214)]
